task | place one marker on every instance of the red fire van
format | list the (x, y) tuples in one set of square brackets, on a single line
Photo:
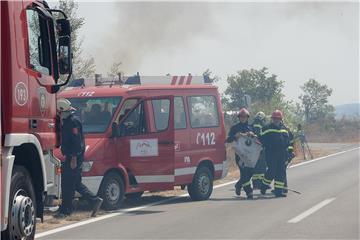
[(148, 137)]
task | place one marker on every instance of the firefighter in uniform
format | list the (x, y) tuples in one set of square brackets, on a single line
[(260, 168), (275, 139), (242, 128), (73, 148)]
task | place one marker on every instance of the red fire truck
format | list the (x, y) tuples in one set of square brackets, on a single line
[(35, 51), (149, 137)]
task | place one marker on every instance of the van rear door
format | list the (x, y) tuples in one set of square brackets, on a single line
[(146, 143)]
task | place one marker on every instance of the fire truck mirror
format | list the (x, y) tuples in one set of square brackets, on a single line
[(63, 27), (64, 55)]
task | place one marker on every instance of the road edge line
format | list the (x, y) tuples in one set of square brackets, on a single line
[(321, 158)]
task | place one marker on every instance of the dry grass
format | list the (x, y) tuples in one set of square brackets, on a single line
[(339, 132)]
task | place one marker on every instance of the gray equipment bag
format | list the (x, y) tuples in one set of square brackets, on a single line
[(248, 149)]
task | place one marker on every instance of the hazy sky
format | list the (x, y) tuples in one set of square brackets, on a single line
[(296, 41)]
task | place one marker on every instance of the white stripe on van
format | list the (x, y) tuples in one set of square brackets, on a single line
[(155, 178), (93, 183), (218, 167), (185, 171)]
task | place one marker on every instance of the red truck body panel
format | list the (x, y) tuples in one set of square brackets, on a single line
[(28, 105)]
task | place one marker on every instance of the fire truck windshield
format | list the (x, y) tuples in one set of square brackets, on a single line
[(96, 112)]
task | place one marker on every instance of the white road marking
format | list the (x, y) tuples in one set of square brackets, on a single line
[(121, 212), (311, 210), (321, 158)]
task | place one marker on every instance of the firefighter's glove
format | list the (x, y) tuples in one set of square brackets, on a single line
[(291, 155), (250, 134)]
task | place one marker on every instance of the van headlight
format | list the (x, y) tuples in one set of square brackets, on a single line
[(87, 165)]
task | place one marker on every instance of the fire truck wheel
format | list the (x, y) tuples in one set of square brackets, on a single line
[(135, 195), (22, 207), (112, 191), (202, 184)]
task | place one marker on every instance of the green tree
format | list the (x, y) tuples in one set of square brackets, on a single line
[(265, 90), (83, 66), (315, 101), (261, 86)]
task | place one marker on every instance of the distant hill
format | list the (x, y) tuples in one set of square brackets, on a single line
[(348, 110)]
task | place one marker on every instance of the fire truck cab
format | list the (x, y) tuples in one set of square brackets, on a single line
[(35, 51), (150, 137)]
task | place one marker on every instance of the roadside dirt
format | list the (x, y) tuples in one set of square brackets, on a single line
[(83, 211)]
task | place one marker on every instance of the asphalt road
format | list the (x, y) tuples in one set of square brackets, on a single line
[(328, 208)]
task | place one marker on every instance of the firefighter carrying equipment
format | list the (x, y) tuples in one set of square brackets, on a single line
[(236, 131)]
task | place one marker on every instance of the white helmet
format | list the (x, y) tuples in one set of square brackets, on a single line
[(64, 105), (260, 116)]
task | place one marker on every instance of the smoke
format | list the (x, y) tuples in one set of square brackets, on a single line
[(142, 29)]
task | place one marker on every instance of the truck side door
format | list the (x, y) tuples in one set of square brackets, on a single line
[(146, 143), (40, 69)]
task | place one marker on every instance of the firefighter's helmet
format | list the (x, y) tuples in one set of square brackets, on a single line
[(277, 114), (64, 105), (243, 112), (260, 116)]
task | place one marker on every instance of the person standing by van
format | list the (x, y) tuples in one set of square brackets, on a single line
[(73, 148), (236, 131)]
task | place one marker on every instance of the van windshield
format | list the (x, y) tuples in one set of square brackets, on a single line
[(95, 113)]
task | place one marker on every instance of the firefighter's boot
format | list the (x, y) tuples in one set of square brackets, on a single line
[(250, 195), (238, 186), (96, 206), (263, 189), (279, 193)]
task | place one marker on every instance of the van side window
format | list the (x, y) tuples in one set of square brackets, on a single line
[(203, 111), (39, 43), (161, 109), (135, 123), (179, 113)]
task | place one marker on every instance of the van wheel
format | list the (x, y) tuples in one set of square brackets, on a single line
[(112, 191), (22, 207), (135, 195), (202, 184)]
